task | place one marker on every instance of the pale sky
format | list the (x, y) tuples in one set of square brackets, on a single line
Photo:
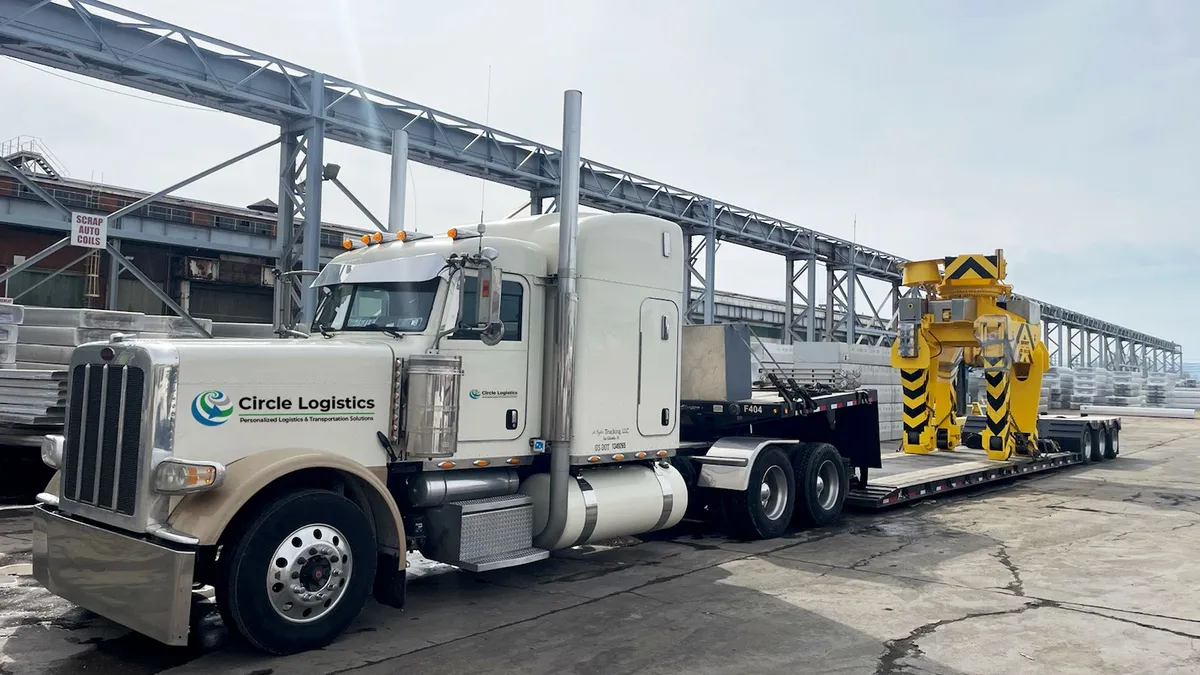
[(1065, 132)]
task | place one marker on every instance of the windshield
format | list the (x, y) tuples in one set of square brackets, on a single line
[(398, 306)]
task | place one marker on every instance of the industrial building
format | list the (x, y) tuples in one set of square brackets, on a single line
[(212, 258)]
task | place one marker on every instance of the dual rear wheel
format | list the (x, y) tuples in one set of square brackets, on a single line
[(808, 485)]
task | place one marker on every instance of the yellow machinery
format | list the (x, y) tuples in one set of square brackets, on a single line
[(968, 318)]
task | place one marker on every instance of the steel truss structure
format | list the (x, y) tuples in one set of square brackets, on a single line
[(102, 41)]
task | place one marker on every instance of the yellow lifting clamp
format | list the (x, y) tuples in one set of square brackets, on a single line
[(968, 318)]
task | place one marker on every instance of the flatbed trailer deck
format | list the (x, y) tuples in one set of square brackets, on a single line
[(906, 478)]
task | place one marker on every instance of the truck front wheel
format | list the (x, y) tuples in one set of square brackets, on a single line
[(765, 508), (298, 573)]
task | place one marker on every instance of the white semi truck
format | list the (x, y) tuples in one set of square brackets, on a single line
[(483, 396)]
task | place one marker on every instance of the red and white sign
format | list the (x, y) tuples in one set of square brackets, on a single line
[(89, 230)]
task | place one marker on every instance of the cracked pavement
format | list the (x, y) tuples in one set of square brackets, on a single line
[(1086, 570)]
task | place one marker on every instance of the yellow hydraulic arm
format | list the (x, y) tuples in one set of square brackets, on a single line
[(968, 318)]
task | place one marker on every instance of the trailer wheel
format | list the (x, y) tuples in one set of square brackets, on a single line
[(1114, 444), (764, 509), (298, 573), (1108, 442), (822, 482), (1097, 437), (1085, 446)]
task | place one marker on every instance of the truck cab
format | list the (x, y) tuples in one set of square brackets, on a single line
[(484, 396)]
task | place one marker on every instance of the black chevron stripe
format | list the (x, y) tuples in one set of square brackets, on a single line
[(992, 361), (971, 264), (918, 427), (997, 427), (912, 375), (916, 410), (919, 391), (994, 379), (997, 402)]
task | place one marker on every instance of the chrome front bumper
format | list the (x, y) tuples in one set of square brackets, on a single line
[(138, 584)]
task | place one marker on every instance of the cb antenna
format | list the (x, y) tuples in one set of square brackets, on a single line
[(487, 116)]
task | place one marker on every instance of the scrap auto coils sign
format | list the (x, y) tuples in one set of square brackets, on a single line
[(89, 230)]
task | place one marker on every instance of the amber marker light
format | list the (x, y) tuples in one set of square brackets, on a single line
[(401, 235), (513, 460), (641, 455), (481, 462), (593, 459), (661, 453), (378, 237), (366, 239), (446, 465), (452, 233), (347, 244)]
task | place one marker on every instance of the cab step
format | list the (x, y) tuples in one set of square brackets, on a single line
[(479, 535)]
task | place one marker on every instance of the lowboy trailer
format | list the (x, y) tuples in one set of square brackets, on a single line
[(905, 478)]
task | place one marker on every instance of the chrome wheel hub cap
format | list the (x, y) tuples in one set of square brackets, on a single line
[(773, 493), (828, 487), (308, 574)]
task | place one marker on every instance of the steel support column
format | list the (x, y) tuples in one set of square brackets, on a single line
[(830, 287), (710, 268), (789, 300), (810, 325), (851, 283), (114, 278), (696, 245), (314, 161), (285, 230)]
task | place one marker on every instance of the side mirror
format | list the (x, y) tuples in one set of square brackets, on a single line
[(487, 304)]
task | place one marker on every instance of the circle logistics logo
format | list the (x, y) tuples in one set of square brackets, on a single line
[(211, 408), (474, 393)]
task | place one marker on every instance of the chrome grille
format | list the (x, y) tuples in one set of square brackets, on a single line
[(102, 454)]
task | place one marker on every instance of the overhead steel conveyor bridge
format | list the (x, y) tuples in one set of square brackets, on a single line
[(105, 42)]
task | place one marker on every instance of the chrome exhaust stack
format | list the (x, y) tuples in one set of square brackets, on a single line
[(566, 314)]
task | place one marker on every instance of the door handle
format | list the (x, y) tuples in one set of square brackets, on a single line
[(510, 419)]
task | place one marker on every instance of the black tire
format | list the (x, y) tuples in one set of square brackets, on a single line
[(1097, 445), (1085, 446), (822, 482), (245, 599), (1111, 442), (746, 515)]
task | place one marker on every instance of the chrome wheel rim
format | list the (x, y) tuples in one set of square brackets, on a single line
[(773, 493), (1087, 447), (309, 572), (829, 488)]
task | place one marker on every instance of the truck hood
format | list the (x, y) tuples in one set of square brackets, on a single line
[(238, 397)]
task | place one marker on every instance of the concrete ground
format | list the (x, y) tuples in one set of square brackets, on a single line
[(1088, 570)]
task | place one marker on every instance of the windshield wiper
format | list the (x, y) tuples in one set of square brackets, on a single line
[(324, 331)]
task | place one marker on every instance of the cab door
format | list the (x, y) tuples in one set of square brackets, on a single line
[(658, 367), (495, 384)]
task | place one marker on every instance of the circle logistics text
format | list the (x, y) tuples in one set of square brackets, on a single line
[(302, 403)]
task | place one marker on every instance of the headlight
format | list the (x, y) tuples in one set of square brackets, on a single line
[(178, 476), (52, 449)]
